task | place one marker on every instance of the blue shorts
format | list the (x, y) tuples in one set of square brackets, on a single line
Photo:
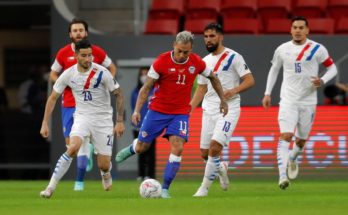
[(67, 120), (155, 123)]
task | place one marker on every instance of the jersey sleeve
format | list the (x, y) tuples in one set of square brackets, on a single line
[(103, 58), (205, 70), (110, 82), (155, 69), (62, 82), (240, 66), (58, 62), (324, 57), (107, 62), (274, 71)]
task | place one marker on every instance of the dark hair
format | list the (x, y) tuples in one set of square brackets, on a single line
[(78, 21), (299, 18), (214, 26), (82, 44)]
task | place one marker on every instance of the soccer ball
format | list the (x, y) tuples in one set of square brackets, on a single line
[(150, 188)]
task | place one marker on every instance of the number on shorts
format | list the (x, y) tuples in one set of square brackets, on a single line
[(87, 95), (226, 127), (110, 140), (183, 126)]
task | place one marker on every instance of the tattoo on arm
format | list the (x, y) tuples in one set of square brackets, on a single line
[(144, 93), (119, 104)]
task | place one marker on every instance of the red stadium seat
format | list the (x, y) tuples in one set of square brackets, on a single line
[(166, 9), (241, 26), (337, 9), (162, 26), (310, 8), (278, 26), (203, 9), (342, 26), (238, 9), (321, 25), (197, 26), (268, 9)]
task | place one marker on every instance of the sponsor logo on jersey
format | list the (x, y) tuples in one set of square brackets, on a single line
[(71, 58), (181, 70), (171, 70), (192, 69)]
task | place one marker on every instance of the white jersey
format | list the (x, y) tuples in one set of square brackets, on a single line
[(300, 63), (91, 90), (228, 66)]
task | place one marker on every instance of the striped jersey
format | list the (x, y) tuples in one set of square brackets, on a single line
[(65, 58), (90, 89), (228, 66), (300, 63)]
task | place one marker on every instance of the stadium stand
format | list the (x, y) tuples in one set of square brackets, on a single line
[(342, 26), (241, 26), (321, 25), (310, 8), (268, 9), (337, 9), (278, 26), (238, 9), (162, 26), (164, 9), (196, 26), (202, 9)]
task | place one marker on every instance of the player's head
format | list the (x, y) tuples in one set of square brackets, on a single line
[(299, 29), (78, 29), (213, 36), (183, 45), (83, 53)]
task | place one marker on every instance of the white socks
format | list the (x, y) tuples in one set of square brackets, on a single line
[(211, 170), (295, 152), (62, 167), (282, 157)]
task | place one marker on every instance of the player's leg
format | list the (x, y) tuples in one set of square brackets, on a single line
[(62, 165), (152, 126), (287, 119), (177, 131), (306, 119)]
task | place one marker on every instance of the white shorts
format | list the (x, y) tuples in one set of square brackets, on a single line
[(99, 134), (296, 118), (218, 128)]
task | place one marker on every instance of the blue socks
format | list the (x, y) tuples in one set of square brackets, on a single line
[(82, 162), (172, 167)]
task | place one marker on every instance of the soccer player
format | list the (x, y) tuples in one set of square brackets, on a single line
[(300, 59), (78, 30), (90, 84), (230, 68), (173, 72)]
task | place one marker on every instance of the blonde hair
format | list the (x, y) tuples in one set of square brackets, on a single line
[(184, 37)]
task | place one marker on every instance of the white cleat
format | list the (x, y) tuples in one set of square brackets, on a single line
[(284, 183), (223, 176), (292, 169), (201, 192), (107, 181), (47, 193)]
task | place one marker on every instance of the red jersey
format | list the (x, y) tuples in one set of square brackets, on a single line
[(173, 89), (65, 59)]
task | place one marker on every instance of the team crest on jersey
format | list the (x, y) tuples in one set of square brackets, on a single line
[(144, 134), (171, 70), (183, 132), (71, 58), (192, 69)]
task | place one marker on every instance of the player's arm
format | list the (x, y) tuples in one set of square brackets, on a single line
[(248, 81), (113, 69), (215, 82), (142, 98), (50, 104), (53, 76), (331, 72), (119, 127), (198, 96)]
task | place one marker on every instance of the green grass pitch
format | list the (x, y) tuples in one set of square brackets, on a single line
[(244, 197)]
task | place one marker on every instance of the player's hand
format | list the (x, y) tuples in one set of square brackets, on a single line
[(266, 101), (119, 129), (223, 108), (229, 93), (44, 131), (136, 117), (316, 81)]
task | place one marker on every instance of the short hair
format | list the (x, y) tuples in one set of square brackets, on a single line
[(214, 26), (82, 44), (184, 37), (78, 21), (299, 18)]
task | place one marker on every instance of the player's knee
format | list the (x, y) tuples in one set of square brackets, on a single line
[(215, 149), (286, 136), (300, 143), (104, 165)]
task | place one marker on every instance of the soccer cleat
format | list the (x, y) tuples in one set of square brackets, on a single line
[(284, 183), (123, 155), (201, 192), (223, 176), (90, 160), (107, 181), (165, 194), (47, 193), (292, 169), (79, 186)]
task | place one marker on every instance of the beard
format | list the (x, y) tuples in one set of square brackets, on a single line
[(212, 47)]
